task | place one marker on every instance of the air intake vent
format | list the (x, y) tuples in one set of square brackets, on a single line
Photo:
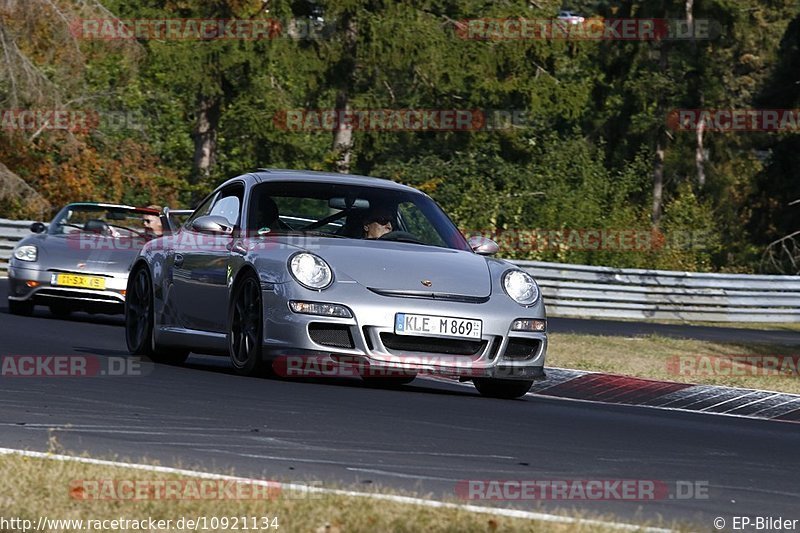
[(333, 335), (411, 343), (522, 348)]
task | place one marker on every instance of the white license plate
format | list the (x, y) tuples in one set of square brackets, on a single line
[(437, 326)]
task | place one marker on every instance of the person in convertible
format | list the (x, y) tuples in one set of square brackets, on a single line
[(152, 223)]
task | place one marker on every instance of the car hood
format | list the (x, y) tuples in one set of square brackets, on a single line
[(91, 254), (408, 268)]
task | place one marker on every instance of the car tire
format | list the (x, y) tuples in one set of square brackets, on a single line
[(245, 328), (60, 310), (507, 389), (15, 307), (139, 320)]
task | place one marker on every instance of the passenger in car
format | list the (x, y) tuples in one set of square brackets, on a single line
[(152, 223)]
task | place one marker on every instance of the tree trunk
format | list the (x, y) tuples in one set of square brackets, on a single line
[(343, 133), (658, 181), (699, 150), (700, 155), (661, 146), (689, 12), (205, 137)]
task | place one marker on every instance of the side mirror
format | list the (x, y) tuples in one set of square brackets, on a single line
[(483, 245), (38, 227), (213, 224)]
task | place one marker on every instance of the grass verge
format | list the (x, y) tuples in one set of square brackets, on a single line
[(683, 360), (31, 488)]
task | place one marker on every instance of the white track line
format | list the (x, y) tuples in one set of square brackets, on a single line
[(510, 513)]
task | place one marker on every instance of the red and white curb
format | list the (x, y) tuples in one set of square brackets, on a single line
[(624, 390)]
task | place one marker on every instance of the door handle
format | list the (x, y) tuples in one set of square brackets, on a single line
[(178, 260), (237, 247)]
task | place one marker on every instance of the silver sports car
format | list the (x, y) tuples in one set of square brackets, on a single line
[(294, 271), (80, 261)]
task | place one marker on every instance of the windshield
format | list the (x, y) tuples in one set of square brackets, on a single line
[(351, 211), (102, 220)]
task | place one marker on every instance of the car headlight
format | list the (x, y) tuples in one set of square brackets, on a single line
[(310, 271), (521, 287), (26, 253)]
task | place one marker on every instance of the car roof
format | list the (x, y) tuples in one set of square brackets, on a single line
[(264, 175)]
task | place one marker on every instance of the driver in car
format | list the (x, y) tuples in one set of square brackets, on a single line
[(152, 223), (378, 223)]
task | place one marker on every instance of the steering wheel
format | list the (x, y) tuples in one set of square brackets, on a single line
[(400, 236)]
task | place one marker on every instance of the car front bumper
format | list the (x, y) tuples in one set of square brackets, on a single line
[(368, 342), (35, 285)]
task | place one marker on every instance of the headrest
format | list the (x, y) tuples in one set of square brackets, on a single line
[(267, 209), (97, 226)]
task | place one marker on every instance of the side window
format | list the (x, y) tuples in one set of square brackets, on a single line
[(201, 211), (226, 203), (227, 206)]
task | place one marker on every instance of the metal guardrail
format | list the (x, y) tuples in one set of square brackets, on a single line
[(605, 292)]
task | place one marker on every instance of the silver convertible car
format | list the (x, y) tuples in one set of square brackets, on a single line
[(278, 268), (80, 261)]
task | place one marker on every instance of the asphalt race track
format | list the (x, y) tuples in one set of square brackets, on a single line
[(425, 437)]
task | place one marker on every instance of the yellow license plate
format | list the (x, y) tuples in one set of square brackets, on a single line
[(85, 282)]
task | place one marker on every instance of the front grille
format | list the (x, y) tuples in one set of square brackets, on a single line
[(519, 348), (411, 343), (333, 335)]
